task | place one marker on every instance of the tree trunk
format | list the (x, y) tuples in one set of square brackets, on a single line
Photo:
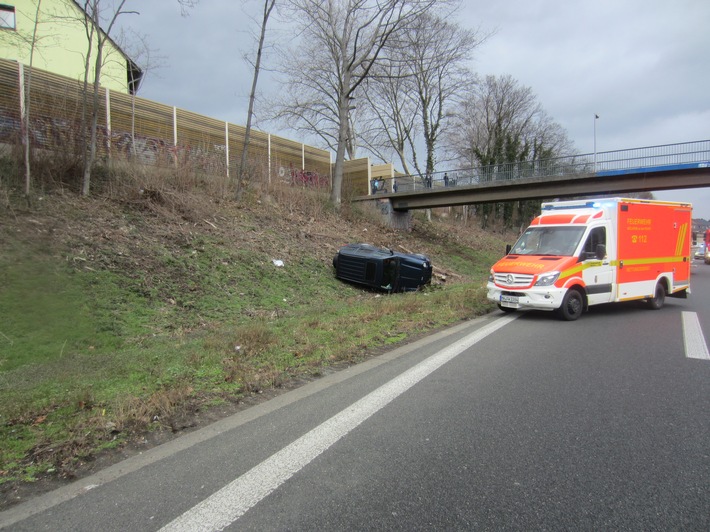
[(28, 100), (268, 6), (86, 184), (343, 114), (101, 40)]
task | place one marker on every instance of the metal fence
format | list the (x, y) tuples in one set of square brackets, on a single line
[(634, 160), (144, 131)]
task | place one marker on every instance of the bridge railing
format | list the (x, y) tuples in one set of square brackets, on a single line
[(654, 156), (628, 160)]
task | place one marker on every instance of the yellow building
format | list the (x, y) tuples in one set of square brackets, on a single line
[(61, 42)]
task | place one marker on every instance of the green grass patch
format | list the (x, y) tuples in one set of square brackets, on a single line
[(97, 349)]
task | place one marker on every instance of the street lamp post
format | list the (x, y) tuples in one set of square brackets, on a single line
[(596, 117)]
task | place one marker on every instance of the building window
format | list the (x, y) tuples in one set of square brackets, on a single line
[(7, 17)]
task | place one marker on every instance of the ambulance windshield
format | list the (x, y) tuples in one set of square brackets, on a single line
[(555, 240)]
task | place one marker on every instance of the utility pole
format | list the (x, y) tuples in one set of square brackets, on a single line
[(596, 117)]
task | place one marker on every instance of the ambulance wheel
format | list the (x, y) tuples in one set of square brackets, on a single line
[(507, 310), (572, 305), (658, 298)]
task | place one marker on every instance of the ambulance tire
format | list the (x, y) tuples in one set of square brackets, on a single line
[(572, 305), (659, 297)]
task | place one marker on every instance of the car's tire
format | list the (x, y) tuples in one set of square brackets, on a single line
[(659, 297), (572, 305), (507, 310)]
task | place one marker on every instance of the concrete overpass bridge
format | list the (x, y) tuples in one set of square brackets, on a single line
[(653, 168)]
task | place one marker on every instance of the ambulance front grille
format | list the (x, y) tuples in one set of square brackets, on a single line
[(513, 279)]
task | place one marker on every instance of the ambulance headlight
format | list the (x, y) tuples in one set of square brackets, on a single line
[(547, 279)]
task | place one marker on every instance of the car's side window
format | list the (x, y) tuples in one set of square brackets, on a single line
[(596, 236), (370, 270)]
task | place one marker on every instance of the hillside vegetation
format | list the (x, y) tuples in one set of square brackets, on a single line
[(135, 314)]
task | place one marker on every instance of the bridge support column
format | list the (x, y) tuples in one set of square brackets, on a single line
[(399, 220)]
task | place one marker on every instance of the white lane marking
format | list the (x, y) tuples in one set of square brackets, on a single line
[(693, 338), (232, 501)]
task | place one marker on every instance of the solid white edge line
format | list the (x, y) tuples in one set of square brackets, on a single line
[(693, 338), (228, 504)]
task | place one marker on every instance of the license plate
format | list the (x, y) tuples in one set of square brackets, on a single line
[(509, 299)]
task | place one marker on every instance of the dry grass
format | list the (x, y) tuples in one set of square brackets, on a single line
[(191, 309)]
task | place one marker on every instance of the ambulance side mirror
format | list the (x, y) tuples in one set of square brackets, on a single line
[(508, 247), (601, 251)]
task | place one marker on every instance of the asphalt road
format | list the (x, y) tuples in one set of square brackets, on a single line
[(503, 423)]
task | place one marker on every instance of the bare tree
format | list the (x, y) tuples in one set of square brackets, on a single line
[(497, 108), (392, 113), (502, 123), (431, 76), (144, 60), (90, 31), (93, 10), (268, 8), (28, 92), (437, 51), (24, 40), (340, 42), (186, 5)]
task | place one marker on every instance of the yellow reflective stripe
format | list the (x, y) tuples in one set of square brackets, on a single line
[(569, 272), (652, 260), (682, 234)]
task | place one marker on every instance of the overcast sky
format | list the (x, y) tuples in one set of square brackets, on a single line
[(643, 66)]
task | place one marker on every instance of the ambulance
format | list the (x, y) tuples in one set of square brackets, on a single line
[(580, 253)]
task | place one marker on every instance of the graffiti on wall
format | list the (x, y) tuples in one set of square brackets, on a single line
[(53, 133), (306, 178)]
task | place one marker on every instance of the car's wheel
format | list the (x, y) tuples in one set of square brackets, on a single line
[(659, 297), (506, 309), (572, 305)]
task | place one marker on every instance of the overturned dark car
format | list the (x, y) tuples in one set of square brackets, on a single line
[(382, 269)]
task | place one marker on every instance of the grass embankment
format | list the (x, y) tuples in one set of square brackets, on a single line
[(119, 316)]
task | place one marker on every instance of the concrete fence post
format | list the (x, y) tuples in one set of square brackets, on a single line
[(175, 138), (226, 145), (108, 124)]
